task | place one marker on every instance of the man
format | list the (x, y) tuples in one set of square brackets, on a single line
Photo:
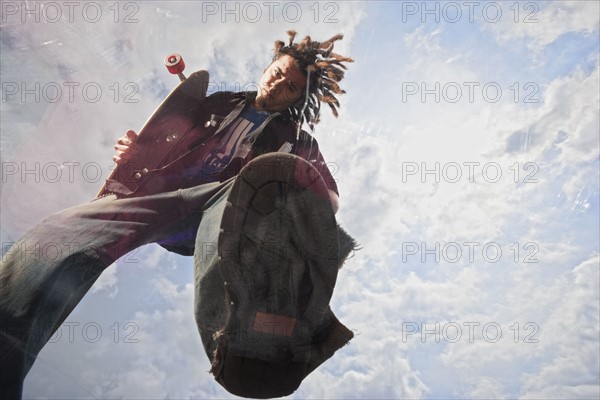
[(282, 85), (37, 294)]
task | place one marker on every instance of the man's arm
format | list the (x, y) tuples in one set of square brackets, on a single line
[(335, 200), (308, 148)]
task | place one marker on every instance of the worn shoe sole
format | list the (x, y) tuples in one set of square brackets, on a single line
[(278, 256), (279, 249)]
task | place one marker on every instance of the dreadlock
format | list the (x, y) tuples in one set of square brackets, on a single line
[(323, 70)]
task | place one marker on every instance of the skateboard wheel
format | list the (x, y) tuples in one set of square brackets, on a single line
[(174, 63)]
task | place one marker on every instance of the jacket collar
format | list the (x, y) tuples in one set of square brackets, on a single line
[(243, 99)]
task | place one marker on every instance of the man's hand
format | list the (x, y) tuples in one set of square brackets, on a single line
[(125, 147)]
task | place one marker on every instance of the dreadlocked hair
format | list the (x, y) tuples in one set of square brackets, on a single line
[(323, 69)]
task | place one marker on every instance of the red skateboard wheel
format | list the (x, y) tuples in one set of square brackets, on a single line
[(174, 63)]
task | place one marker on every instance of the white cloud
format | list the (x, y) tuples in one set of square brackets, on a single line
[(571, 336), (541, 23), (559, 137), (107, 282)]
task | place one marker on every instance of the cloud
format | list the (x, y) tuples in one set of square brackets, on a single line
[(107, 282), (571, 336), (541, 149), (540, 24)]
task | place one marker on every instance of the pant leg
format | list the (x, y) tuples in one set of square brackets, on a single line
[(45, 274)]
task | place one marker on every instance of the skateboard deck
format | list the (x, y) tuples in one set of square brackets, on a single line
[(174, 118)]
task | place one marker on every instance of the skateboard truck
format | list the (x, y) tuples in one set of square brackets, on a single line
[(175, 64)]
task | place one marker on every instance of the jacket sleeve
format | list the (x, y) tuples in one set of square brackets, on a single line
[(308, 148)]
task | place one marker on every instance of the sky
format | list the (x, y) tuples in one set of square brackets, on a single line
[(466, 153)]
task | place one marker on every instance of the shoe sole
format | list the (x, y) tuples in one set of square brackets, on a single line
[(278, 255)]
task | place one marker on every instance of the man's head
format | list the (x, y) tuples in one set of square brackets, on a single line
[(284, 83)]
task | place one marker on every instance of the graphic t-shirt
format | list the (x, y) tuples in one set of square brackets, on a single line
[(229, 144), (216, 159)]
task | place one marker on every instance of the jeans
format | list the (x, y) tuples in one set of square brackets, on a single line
[(45, 274)]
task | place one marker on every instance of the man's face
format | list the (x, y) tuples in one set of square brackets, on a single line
[(281, 85)]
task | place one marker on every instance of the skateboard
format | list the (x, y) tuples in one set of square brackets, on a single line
[(168, 126)]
